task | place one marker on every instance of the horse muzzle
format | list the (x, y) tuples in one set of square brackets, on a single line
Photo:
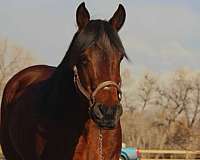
[(106, 117)]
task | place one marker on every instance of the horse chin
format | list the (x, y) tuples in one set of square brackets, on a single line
[(106, 125)]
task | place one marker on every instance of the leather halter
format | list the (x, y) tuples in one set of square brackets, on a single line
[(91, 96)]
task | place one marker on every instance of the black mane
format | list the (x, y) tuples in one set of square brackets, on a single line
[(95, 31)]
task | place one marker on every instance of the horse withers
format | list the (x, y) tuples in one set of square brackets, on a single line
[(72, 111)]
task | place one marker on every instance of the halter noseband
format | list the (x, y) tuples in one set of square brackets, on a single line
[(91, 96)]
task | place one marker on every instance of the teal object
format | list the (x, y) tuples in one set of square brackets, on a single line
[(129, 153)]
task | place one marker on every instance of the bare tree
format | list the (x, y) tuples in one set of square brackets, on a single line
[(146, 90), (170, 111), (177, 96), (195, 100), (128, 87)]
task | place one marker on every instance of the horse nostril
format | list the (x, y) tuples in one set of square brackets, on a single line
[(108, 111), (103, 109), (97, 111)]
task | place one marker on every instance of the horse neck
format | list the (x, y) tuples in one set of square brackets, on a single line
[(89, 142), (62, 99), (60, 85)]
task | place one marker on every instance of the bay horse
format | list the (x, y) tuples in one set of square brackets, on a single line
[(72, 111)]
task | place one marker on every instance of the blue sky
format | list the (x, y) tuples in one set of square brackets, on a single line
[(158, 35)]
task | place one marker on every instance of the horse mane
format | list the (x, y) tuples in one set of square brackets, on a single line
[(95, 31)]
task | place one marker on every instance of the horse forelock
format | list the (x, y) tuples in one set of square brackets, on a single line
[(96, 31)]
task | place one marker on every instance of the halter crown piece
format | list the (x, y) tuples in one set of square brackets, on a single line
[(91, 96)]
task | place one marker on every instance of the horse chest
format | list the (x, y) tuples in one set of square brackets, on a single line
[(91, 151), (89, 147), (86, 150)]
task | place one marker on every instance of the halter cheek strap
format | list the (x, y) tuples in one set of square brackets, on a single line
[(91, 96)]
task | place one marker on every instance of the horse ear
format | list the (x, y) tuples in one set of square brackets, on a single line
[(82, 16), (118, 18)]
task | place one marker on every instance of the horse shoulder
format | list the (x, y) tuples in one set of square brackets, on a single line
[(24, 78)]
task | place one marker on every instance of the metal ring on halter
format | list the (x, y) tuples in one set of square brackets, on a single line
[(91, 97)]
